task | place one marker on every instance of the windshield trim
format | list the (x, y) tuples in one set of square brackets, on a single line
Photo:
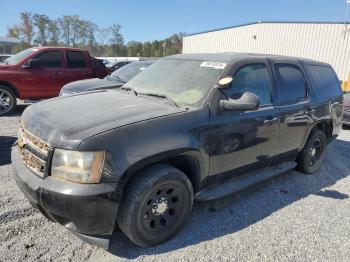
[(211, 91), (32, 49)]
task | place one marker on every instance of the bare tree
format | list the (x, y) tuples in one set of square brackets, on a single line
[(54, 32), (27, 28), (41, 22)]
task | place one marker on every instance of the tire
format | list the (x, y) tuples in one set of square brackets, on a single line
[(156, 205), (8, 100), (311, 157)]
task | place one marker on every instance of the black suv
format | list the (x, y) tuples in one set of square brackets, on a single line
[(189, 127)]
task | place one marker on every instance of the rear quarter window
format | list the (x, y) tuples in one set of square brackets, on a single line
[(325, 81)]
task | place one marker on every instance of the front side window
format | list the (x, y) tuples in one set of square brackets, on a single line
[(291, 84), (50, 59), (253, 79), (75, 59)]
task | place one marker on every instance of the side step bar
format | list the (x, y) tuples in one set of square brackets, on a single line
[(248, 180)]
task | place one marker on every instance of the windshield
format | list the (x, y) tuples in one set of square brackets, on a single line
[(20, 56), (184, 81), (127, 72)]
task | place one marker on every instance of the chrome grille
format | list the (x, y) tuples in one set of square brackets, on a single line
[(33, 151)]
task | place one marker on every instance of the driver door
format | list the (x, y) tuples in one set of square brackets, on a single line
[(46, 80), (243, 141)]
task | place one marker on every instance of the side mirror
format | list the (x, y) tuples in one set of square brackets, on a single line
[(248, 101), (32, 63)]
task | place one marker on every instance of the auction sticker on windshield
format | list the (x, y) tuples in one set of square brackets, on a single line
[(215, 65)]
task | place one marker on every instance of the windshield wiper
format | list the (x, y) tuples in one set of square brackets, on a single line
[(171, 101), (128, 88)]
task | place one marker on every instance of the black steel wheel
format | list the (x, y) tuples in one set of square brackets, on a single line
[(156, 204), (7, 100), (311, 157)]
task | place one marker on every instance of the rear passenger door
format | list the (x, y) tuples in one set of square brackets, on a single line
[(78, 67), (293, 103)]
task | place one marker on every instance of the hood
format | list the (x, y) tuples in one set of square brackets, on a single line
[(4, 66), (91, 84), (66, 121)]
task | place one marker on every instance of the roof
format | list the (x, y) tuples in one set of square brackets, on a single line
[(9, 40), (268, 22), (234, 57), (59, 47)]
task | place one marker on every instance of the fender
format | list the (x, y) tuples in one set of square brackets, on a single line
[(12, 86), (165, 139), (192, 162)]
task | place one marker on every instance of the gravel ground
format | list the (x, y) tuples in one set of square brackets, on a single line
[(294, 217)]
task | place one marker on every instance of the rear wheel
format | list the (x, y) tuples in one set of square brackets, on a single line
[(311, 157), (7, 100), (156, 205)]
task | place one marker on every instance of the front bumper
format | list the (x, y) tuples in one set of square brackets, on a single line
[(89, 211)]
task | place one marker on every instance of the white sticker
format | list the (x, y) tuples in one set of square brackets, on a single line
[(215, 65)]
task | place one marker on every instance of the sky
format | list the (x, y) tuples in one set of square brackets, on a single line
[(150, 20)]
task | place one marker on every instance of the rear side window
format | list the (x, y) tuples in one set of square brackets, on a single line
[(50, 59), (75, 59), (291, 84), (327, 83)]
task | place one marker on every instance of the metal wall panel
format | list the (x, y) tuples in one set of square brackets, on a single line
[(326, 42)]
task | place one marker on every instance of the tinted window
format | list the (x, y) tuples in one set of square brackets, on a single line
[(129, 71), (97, 63), (254, 79), (291, 84), (327, 83), (50, 59), (75, 60)]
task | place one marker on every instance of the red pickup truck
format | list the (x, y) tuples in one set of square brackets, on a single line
[(40, 73)]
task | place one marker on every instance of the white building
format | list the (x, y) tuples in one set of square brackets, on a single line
[(322, 41)]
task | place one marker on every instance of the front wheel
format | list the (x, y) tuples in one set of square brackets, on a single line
[(313, 153), (157, 202), (7, 100)]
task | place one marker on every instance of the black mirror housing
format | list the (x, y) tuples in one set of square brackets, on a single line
[(32, 63), (248, 101)]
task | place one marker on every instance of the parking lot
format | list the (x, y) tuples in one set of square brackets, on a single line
[(293, 217)]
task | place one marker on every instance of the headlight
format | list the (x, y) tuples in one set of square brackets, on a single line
[(80, 167)]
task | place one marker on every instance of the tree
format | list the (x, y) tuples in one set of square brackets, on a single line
[(27, 28), (117, 41), (41, 22), (134, 48), (54, 32), (77, 32), (14, 31), (65, 28)]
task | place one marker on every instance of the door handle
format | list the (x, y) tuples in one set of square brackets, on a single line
[(56, 73), (270, 120)]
